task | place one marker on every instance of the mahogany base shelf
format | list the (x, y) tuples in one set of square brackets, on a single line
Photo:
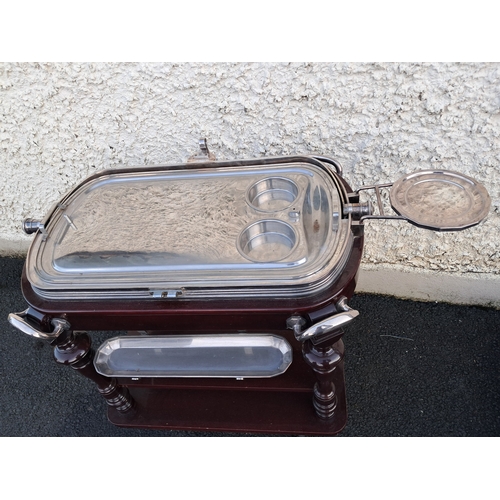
[(280, 405)]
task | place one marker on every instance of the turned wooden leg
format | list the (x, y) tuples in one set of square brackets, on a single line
[(324, 359), (74, 349)]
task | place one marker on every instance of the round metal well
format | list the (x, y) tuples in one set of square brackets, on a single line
[(272, 194), (267, 241)]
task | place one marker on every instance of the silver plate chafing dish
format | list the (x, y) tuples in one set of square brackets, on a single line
[(231, 278)]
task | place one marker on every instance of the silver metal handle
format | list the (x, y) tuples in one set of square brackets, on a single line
[(329, 324), (331, 161), (18, 320)]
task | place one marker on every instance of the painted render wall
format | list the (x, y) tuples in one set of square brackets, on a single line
[(60, 123)]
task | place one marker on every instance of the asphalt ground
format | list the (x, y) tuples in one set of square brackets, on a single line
[(412, 369)]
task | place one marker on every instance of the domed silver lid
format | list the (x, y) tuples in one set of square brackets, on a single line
[(268, 227)]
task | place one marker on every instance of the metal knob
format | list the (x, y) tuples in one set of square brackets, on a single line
[(31, 226)]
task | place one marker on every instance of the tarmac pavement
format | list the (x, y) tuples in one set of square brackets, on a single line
[(412, 369)]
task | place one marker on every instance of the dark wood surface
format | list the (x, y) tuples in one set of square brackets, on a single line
[(74, 349), (228, 409), (282, 404), (411, 369)]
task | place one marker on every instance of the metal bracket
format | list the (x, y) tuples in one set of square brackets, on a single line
[(205, 155), (380, 204)]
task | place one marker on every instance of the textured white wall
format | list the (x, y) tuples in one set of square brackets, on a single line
[(62, 122)]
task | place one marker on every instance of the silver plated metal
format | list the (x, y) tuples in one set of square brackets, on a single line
[(441, 200), (267, 227), (325, 326), (272, 194), (267, 241), (20, 321), (336, 164), (31, 226), (204, 154), (193, 356)]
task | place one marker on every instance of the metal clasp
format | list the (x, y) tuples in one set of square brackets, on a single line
[(166, 294)]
